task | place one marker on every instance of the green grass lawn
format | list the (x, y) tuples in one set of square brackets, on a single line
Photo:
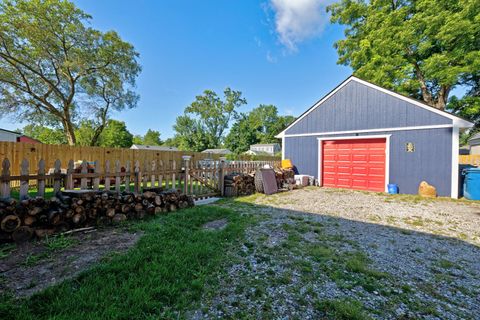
[(163, 276)]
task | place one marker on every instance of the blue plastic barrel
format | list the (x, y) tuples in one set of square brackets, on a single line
[(471, 184), (392, 188)]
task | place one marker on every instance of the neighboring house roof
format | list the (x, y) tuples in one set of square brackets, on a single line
[(475, 139), (20, 137), (13, 132), (264, 144), (217, 151), (155, 148), (457, 121), (258, 153)]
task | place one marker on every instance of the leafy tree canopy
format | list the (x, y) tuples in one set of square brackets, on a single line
[(44, 134), (205, 121), (85, 132), (54, 67), (258, 126), (151, 138), (116, 135), (423, 48)]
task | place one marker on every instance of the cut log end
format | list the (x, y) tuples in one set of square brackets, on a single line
[(10, 223)]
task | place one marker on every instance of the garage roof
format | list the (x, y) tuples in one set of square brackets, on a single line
[(457, 121)]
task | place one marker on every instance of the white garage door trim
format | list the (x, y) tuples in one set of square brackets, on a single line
[(387, 154)]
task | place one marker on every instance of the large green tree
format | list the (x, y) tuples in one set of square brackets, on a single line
[(260, 125), (423, 48), (54, 66), (151, 138), (204, 123), (116, 135)]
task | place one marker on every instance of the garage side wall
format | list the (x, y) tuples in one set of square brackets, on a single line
[(431, 161)]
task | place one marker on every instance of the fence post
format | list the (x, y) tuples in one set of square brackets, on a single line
[(6, 176), (69, 178), (127, 176), (83, 171), (57, 180), (96, 179), (107, 176), (41, 181), (186, 176), (221, 176), (118, 170), (136, 181), (24, 180)]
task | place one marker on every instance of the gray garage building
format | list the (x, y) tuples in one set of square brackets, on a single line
[(362, 136)]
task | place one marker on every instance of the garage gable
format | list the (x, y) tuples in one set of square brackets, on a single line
[(359, 105)]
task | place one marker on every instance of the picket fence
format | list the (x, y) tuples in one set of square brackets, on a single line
[(200, 178)]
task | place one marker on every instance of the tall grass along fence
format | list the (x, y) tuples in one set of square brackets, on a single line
[(199, 178), (16, 152)]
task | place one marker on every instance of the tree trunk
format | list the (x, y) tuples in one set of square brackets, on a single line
[(69, 131), (442, 98), (96, 135)]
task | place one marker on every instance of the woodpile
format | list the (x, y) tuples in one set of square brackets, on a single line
[(37, 217), (239, 184), (285, 178)]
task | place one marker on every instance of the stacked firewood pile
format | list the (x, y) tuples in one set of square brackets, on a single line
[(239, 184), (285, 178), (22, 220)]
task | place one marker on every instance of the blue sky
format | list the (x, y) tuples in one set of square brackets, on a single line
[(275, 51)]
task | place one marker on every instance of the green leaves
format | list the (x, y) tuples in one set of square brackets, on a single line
[(206, 120), (54, 66), (116, 135), (423, 48), (258, 126), (151, 138)]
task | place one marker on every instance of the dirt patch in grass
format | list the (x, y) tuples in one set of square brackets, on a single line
[(27, 269), (216, 225)]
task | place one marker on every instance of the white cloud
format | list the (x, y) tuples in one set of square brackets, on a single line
[(271, 58), (298, 20)]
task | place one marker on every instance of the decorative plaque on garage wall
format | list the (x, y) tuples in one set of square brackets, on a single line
[(409, 147)]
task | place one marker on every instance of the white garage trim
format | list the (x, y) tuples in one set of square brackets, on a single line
[(387, 154), (439, 126), (455, 164)]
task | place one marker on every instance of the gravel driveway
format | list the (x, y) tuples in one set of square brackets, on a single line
[(326, 253)]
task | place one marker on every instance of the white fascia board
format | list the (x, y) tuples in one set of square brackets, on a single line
[(455, 162), (440, 126)]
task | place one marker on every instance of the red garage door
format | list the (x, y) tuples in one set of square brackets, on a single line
[(354, 164)]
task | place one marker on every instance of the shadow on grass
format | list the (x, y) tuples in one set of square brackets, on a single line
[(177, 263)]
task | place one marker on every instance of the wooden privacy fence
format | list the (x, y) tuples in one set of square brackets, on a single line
[(472, 159), (199, 178), (16, 152)]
